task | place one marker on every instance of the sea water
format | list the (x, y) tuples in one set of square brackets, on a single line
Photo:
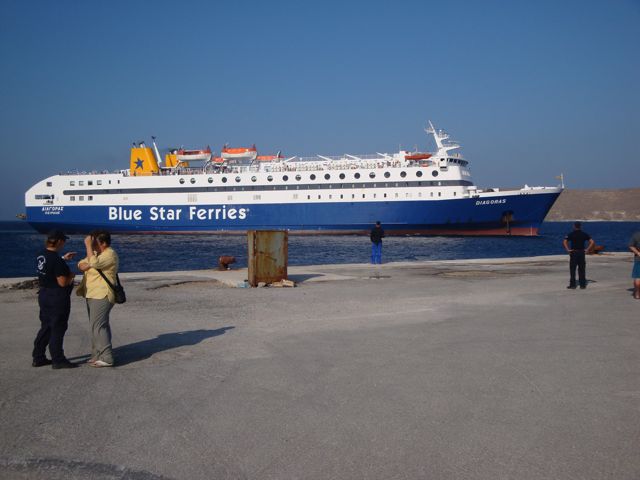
[(186, 252)]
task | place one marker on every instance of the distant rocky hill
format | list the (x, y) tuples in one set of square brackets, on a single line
[(609, 205)]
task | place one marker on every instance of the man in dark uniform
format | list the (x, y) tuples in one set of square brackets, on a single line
[(574, 244), (377, 234), (56, 282)]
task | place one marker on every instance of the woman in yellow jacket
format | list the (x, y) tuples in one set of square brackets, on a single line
[(100, 297)]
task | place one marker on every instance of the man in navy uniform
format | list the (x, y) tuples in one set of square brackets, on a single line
[(56, 282), (574, 244)]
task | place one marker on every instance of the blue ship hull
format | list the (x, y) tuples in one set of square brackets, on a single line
[(495, 215)]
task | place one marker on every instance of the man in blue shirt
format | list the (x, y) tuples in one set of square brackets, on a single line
[(574, 244), (56, 282)]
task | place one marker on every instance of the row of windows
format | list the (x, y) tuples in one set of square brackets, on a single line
[(327, 176), (72, 183), (81, 198), (248, 188), (270, 178)]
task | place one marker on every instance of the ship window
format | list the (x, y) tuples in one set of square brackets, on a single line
[(396, 195), (182, 180), (253, 179), (49, 184), (72, 198), (387, 174), (90, 182), (80, 182), (313, 176), (285, 178), (238, 179), (341, 196), (72, 183), (342, 176), (454, 194), (330, 197), (81, 198), (193, 180), (374, 195), (356, 175), (403, 174), (420, 194), (385, 195), (319, 197), (109, 182), (210, 180), (353, 195), (270, 178), (44, 197), (295, 196), (327, 176), (434, 173), (419, 173), (229, 197), (432, 194), (363, 195), (257, 197), (224, 179), (298, 177), (439, 194), (308, 197), (372, 175), (98, 182), (90, 197)]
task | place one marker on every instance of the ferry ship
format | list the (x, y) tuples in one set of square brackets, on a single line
[(195, 191)]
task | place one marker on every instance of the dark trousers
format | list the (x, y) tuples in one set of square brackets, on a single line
[(55, 306), (576, 260)]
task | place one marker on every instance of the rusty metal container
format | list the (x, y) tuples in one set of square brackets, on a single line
[(268, 256)]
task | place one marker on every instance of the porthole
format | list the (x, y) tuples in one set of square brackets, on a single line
[(372, 175), (403, 174), (298, 177), (210, 180), (193, 180), (342, 176), (327, 176), (387, 174), (419, 173), (356, 175), (238, 179), (285, 178), (313, 176), (434, 173), (181, 180), (270, 178), (224, 179), (253, 179)]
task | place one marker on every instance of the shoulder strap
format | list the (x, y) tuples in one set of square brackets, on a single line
[(107, 280)]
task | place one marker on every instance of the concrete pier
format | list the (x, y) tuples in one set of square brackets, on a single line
[(474, 369)]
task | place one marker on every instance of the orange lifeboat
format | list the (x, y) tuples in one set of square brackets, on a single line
[(184, 155), (239, 153), (417, 156), (269, 158)]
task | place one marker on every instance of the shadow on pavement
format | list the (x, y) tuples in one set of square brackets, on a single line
[(134, 352)]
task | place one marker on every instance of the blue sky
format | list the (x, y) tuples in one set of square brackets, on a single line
[(530, 89)]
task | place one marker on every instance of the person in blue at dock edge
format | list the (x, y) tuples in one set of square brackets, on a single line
[(574, 244), (377, 234), (634, 246)]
